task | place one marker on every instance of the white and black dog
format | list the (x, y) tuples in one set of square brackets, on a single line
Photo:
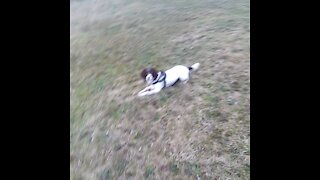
[(159, 80)]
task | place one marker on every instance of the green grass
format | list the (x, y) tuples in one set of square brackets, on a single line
[(156, 116), (191, 169), (149, 171), (174, 168), (120, 166), (106, 175), (138, 135)]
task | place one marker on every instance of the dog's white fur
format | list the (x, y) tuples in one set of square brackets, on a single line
[(174, 74)]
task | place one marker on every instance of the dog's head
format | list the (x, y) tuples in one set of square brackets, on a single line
[(149, 75)]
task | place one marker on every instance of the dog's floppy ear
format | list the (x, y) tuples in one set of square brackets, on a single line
[(147, 71), (144, 73), (154, 73)]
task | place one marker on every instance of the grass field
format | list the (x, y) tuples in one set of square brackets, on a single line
[(196, 130)]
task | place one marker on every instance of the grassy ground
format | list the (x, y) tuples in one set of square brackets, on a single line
[(200, 129)]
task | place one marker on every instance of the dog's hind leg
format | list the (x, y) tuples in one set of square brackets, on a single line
[(184, 80)]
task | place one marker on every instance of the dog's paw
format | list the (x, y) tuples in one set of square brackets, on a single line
[(140, 94)]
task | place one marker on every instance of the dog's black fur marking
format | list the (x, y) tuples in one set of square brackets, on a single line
[(147, 71)]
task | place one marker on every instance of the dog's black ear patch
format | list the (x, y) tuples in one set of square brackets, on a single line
[(144, 73), (154, 73)]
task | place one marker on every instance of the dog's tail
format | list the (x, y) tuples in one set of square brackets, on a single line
[(194, 67)]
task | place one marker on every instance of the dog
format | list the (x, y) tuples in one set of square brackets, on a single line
[(157, 80)]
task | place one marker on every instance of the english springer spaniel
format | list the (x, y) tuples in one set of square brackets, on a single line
[(159, 80)]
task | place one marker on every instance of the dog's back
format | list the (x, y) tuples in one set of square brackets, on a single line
[(176, 73)]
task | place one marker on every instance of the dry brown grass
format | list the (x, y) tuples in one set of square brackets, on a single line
[(200, 129)]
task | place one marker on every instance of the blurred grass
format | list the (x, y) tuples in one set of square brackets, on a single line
[(200, 129)]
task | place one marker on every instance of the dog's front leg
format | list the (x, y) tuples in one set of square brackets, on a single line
[(151, 91), (154, 91), (145, 91)]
